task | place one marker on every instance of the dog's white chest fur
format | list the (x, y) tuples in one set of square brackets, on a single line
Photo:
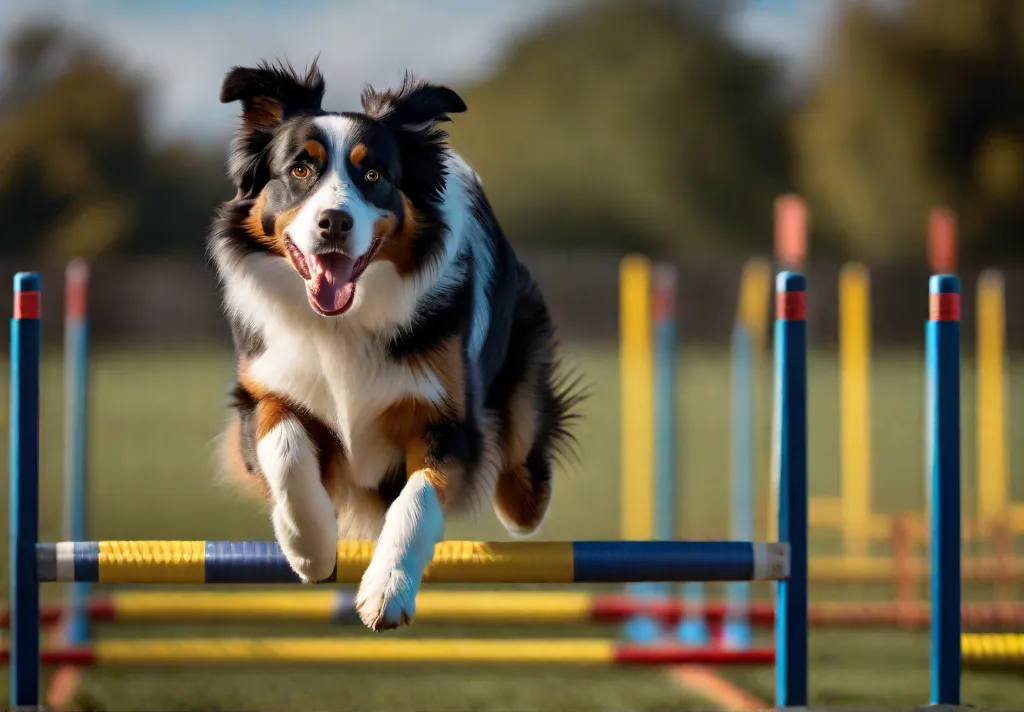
[(345, 379)]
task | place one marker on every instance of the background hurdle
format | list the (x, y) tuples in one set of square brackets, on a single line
[(245, 562)]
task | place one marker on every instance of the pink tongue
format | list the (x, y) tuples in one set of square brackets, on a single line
[(328, 285)]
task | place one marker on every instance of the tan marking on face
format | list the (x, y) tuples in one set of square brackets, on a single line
[(316, 151), (397, 247), (358, 153), (281, 223), (254, 226)]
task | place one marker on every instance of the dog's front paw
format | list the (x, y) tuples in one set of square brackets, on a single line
[(386, 597), (311, 570), (312, 556)]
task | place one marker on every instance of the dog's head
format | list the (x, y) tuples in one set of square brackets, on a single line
[(333, 192)]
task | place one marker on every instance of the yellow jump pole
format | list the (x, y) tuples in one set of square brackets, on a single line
[(637, 411), (636, 359), (755, 312), (993, 473), (855, 415)]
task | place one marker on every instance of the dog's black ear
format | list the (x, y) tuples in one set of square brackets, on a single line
[(272, 93), (269, 95), (415, 106)]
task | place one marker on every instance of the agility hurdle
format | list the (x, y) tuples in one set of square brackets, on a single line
[(33, 562), (647, 300), (545, 562)]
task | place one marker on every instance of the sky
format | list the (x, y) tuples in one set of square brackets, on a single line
[(186, 46)]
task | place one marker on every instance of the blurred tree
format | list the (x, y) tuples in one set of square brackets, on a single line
[(919, 104), (79, 175), (634, 124)]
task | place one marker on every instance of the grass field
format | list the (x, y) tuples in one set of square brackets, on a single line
[(153, 421)]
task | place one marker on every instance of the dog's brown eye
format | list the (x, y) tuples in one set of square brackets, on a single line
[(372, 176), (300, 171)]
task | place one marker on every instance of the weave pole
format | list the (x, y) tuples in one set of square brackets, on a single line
[(942, 362), (76, 358), (24, 490), (791, 442), (993, 466), (855, 408), (737, 627)]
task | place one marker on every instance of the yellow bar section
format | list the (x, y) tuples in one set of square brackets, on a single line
[(152, 561), (993, 470), (480, 562), (636, 360), (447, 606), (511, 606), (453, 562), (854, 372), (192, 651), (992, 646), (140, 606)]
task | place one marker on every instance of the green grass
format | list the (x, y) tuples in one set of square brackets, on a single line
[(154, 419)]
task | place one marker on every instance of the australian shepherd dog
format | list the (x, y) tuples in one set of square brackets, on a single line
[(395, 361)]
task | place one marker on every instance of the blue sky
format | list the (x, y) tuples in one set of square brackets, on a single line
[(185, 46)]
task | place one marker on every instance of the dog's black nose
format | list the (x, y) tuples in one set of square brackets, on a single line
[(335, 225)]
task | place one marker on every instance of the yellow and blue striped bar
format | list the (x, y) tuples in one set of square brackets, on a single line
[(257, 562)]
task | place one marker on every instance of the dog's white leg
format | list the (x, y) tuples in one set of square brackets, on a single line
[(305, 522), (412, 526)]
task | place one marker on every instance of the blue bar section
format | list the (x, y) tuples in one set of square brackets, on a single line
[(86, 557), (24, 502), (791, 392), (249, 562), (737, 621), (943, 440), (625, 561), (76, 338)]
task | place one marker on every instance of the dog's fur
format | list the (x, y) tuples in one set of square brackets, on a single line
[(391, 371)]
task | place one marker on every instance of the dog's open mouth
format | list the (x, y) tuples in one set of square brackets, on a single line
[(330, 277)]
